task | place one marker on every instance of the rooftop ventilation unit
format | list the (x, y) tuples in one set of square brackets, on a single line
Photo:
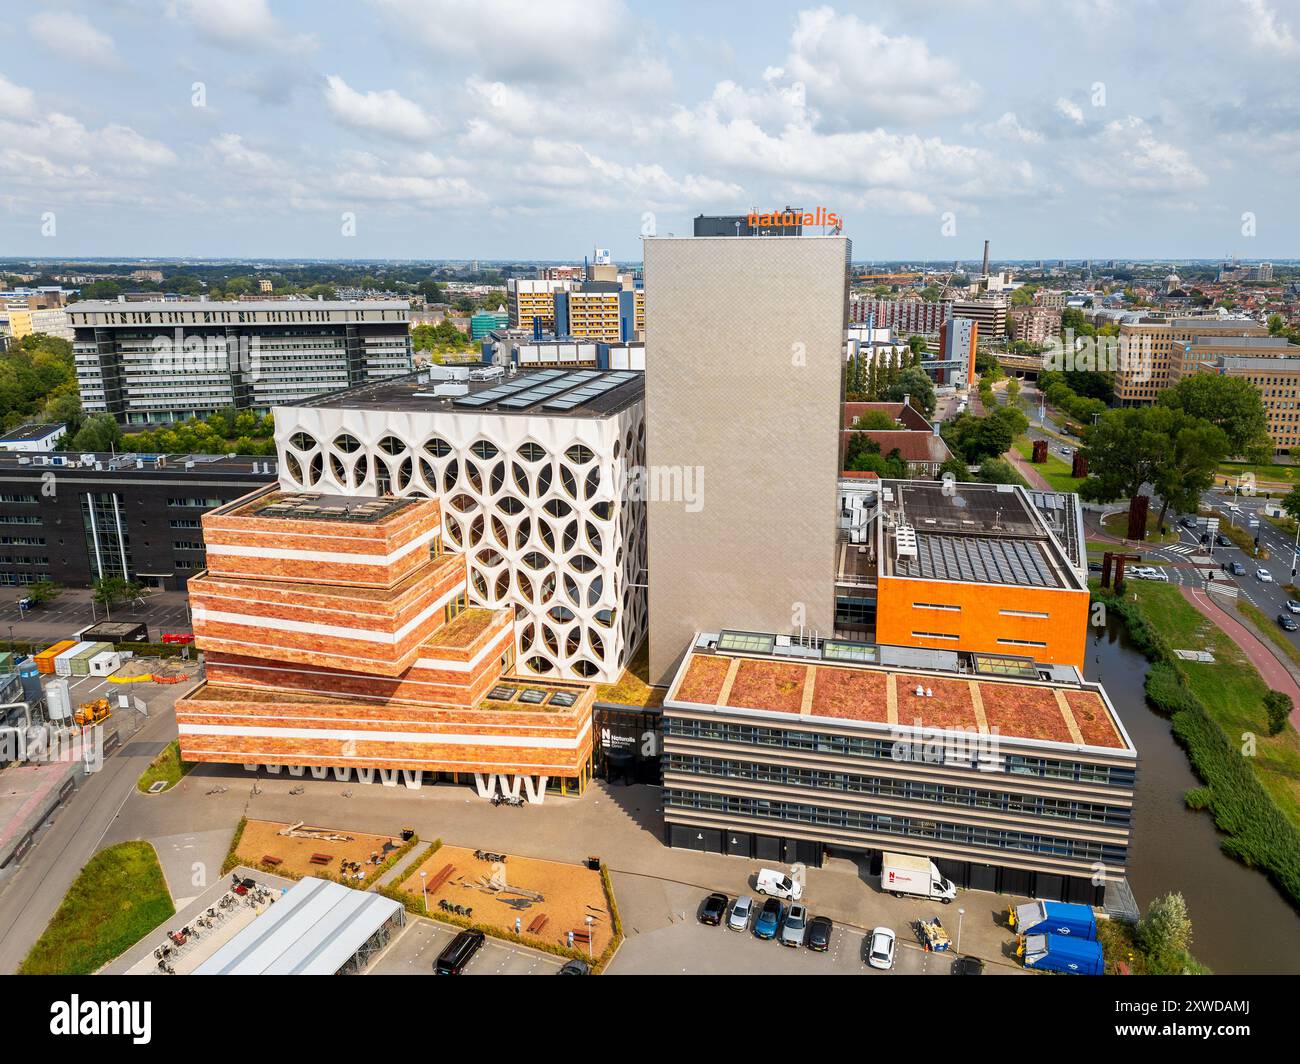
[(451, 388), (905, 542)]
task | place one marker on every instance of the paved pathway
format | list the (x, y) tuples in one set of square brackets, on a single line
[(1277, 676)]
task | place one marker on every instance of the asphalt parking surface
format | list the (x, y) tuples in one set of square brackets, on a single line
[(415, 950)]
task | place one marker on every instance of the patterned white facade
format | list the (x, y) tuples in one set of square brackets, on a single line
[(538, 504)]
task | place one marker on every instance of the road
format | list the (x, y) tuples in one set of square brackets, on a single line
[(33, 892)]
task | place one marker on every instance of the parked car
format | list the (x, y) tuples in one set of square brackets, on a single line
[(795, 927), (1287, 622), (182, 638), (713, 909), (769, 919), (1263, 576), (1293, 606), (819, 933), (968, 966), (574, 967), (1094, 567), (741, 913), (457, 954), (880, 948), (1237, 569)]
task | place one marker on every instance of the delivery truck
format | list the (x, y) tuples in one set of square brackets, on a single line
[(901, 873), (1054, 918), (1062, 953)]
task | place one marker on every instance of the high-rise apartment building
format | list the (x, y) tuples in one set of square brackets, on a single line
[(157, 362), (907, 317), (988, 312), (742, 412)]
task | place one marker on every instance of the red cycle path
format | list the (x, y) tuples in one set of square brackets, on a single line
[(1272, 670)]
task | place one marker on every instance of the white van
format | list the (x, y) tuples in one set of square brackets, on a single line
[(778, 885)]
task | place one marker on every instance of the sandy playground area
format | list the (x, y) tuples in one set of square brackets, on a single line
[(261, 840), (549, 899)]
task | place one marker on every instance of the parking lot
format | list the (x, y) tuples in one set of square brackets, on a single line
[(415, 950), (73, 610), (687, 947)]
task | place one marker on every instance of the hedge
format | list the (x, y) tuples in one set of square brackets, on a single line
[(1258, 833)]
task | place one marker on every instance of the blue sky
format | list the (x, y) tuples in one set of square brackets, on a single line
[(542, 128)]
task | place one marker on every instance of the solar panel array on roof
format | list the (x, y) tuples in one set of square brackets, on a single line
[(501, 391), (985, 561), (560, 390)]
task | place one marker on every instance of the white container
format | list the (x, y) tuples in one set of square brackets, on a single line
[(105, 664)]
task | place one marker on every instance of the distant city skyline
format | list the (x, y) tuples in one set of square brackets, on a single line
[(513, 130)]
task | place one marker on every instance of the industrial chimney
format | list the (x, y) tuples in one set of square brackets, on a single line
[(985, 272)]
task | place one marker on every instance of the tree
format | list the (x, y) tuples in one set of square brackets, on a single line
[(1277, 707), (43, 591), (956, 467), (1187, 468), (1291, 503), (1231, 403), (1124, 451), (915, 383), (875, 419), (1165, 934), (99, 432), (998, 471), (108, 591)]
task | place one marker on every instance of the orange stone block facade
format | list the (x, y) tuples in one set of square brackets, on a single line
[(336, 637)]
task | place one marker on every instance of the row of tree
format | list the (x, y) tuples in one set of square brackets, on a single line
[(890, 377)]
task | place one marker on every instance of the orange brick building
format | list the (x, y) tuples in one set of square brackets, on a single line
[(337, 639)]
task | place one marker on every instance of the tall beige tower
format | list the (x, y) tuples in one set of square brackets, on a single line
[(744, 359)]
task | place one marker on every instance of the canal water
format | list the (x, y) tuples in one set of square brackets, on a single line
[(1241, 922)]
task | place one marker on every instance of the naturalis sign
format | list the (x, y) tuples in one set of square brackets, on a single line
[(821, 216)]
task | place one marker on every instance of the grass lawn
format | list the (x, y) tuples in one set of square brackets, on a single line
[(1268, 626), (1055, 470), (167, 766), (633, 687), (1117, 525), (1231, 689), (1282, 474), (119, 897)]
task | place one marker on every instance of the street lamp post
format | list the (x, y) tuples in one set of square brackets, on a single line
[(960, 914), (424, 893), (1295, 550), (590, 956)]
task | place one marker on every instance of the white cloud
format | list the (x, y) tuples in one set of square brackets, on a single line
[(1008, 127), (1127, 156), (1071, 110), (853, 70), (1266, 30), (16, 101), (561, 42), (246, 25), (385, 112), (73, 37)]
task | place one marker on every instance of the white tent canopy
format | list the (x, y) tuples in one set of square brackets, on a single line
[(315, 928)]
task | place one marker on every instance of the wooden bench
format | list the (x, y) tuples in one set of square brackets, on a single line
[(272, 860), (321, 858), (583, 936), (538, 922), (443, 875)]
